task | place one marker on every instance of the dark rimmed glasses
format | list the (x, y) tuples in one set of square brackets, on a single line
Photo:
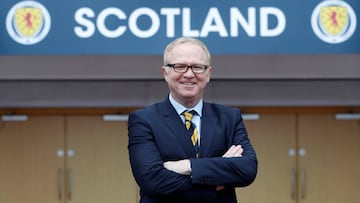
[(183, 68)]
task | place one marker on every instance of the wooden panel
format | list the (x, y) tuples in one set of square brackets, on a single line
[(272, 136), (100, 165), (29, 161), (100, 168), (331, 163)]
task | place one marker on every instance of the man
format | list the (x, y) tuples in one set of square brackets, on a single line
[(197, 156)]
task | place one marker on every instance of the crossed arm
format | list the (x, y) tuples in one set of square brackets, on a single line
[(183, 167)]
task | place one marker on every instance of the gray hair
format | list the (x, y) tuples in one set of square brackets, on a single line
[(183, 40)]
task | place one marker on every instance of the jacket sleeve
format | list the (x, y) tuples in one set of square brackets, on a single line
[(236, 171)]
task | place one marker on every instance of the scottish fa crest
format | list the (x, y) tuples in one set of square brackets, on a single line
[(333, 21), (28, 22)]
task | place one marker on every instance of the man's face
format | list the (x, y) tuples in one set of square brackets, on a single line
[(187, 87)]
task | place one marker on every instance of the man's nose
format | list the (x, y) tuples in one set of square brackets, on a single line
[(189, 71)]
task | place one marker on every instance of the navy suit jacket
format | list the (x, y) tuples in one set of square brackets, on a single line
[(157, 134)]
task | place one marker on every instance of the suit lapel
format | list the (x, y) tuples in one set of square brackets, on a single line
[(177, 127), (208, 127)]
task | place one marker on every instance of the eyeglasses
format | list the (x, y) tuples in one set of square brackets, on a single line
[(183, 68)]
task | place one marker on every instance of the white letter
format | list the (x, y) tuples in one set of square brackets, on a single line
[(218, 26), (264, 23), (155, 22), (101, 22), (187, 24), (236, 17), (170, 14), (88, 28)]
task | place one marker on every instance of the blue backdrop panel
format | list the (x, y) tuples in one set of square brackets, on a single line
[(70, 27)]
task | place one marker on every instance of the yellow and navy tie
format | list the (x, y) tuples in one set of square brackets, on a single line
[(193, 131)]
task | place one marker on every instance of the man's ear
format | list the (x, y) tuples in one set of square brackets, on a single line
[(164, 72), (209, 73)]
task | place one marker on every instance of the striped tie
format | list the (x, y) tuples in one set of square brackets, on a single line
[(193, 131)]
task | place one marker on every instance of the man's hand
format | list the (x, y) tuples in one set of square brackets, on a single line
[(181, 167), (234, 151)]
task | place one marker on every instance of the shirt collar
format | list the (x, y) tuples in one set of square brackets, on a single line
[(180, 108)]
